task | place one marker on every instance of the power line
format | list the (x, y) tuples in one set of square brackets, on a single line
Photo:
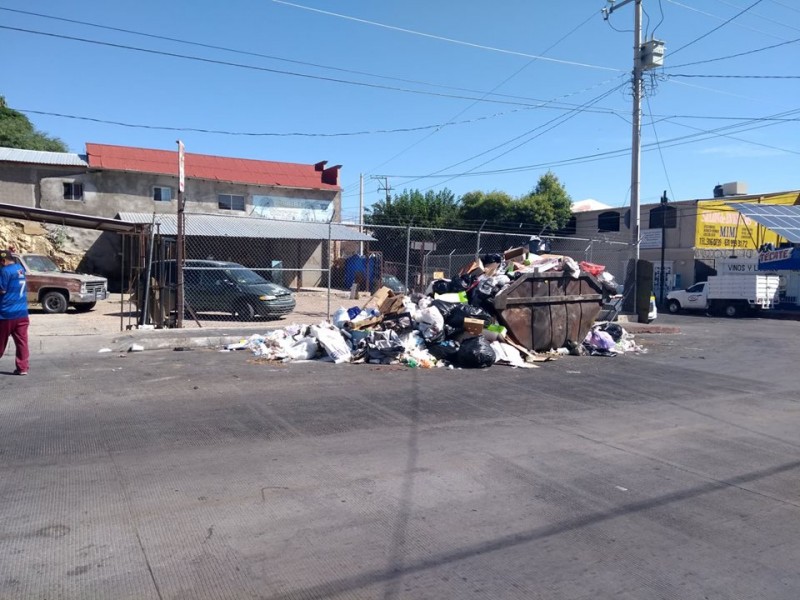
[(717, 28), (254, 67), (732, 76), (560, 120), (495, 88), (255, 54), (445, 39), (259, 134), (658, 145), (737, 55), (677, 141), (713, 16), (762, 17)]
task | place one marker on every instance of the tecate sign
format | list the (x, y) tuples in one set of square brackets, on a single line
[(775, 255)]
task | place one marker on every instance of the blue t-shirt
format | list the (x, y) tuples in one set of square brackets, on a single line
[(14, 300)]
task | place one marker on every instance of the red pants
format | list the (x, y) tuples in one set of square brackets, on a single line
[(17, 329)]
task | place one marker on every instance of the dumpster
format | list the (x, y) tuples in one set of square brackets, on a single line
[(544, 311)]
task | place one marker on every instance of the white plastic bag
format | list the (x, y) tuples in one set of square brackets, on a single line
[(430, 322), (333, 343), (340, 317), (303, 349)]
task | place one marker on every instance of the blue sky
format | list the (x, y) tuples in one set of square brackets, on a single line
[(466, 95)]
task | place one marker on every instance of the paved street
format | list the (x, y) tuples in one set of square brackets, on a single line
[(206, 475)]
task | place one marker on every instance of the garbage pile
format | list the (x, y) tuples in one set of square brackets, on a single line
[(454, 324)]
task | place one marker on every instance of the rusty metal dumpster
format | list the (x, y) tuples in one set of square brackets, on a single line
[(543, 311)]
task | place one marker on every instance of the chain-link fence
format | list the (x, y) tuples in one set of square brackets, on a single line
[(255, 269), (417, 255)]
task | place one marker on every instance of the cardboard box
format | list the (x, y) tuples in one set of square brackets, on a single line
[(475, 268), (438, 274), (515, 253), (392, 304), (473, 326)]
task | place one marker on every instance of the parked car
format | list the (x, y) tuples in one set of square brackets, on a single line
[(56, 289), (218, 286), (394, 284)]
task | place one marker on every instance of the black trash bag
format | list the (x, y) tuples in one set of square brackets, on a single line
[(445, 308), (614, 330), (483, 295), (475, 353), (455, 317), (461, 283), (440, 286), (491, 259), (444, 350), (451, 332)]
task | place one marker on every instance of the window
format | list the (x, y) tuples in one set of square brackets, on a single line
[(608, 221), (162, 194), (73, 191), (666, 214), (230, 202)]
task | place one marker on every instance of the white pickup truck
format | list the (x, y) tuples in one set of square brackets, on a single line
[(730, 295)]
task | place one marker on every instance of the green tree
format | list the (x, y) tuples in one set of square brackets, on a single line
[(431, 209), (492, 207), (16, 131), (547, 205)]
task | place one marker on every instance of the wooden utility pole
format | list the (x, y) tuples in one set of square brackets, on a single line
[(180, 254)]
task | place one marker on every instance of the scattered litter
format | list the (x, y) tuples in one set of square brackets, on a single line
[(136, 348), (104, 350), (460, 321), (182, 349)]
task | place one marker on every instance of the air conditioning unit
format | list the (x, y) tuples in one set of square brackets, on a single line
[(734, 188)]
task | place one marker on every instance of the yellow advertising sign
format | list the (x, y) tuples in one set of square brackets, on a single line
[(720, 227)]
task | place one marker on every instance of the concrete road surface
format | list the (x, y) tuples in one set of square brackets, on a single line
[(204, 475)]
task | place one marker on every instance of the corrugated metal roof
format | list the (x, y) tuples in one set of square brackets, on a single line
[(248, 227), (216, 168), (40, 157), (42, 215)]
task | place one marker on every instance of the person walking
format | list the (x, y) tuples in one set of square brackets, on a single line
[(14, 310)]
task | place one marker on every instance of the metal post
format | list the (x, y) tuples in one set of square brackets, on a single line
[(478, 245), (147, 277), (663, 243), (122, 283), (361, 212), (329, 268), (408, 252), (450, 263)]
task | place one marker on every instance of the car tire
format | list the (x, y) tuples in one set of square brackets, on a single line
[(84, 306), (244, 311), (674, 307), (54, 303), (732, 310)]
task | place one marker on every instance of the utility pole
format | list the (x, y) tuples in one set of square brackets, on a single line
[(636, 148), (385, 187), (645, 56), (180, 247)]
